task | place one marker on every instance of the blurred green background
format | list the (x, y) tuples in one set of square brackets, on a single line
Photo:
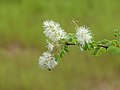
[(22, 42)]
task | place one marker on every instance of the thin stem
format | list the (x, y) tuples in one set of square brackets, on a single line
[(75, 23), (76, 44), (69, 44), (106, 47)]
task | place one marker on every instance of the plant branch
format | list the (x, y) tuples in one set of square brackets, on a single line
[(99, 45), (75, 44), (69, 44), (106, 47)]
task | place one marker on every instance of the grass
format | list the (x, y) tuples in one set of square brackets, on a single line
[(22, 41)]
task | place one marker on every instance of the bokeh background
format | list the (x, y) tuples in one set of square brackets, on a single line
[(22, 42)]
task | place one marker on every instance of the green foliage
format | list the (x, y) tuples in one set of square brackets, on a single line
[(117, 33), (62, 52), (96, 48), (104, 46), (88, 46), (71, 39), (98, 51)]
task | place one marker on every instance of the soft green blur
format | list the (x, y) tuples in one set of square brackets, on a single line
[(22, 41)]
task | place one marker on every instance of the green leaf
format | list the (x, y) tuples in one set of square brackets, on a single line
[(71, 38), (117, 33), (66, 49), (96, 50), (89, 46), (62, 53), (85, 47)]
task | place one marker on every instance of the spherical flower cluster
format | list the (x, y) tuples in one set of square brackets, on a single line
[(83, 35), (53, 31), (47, 61)]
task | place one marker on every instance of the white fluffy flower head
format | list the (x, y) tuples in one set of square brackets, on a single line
[(53, 31), (47, 61), (83, 35)]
